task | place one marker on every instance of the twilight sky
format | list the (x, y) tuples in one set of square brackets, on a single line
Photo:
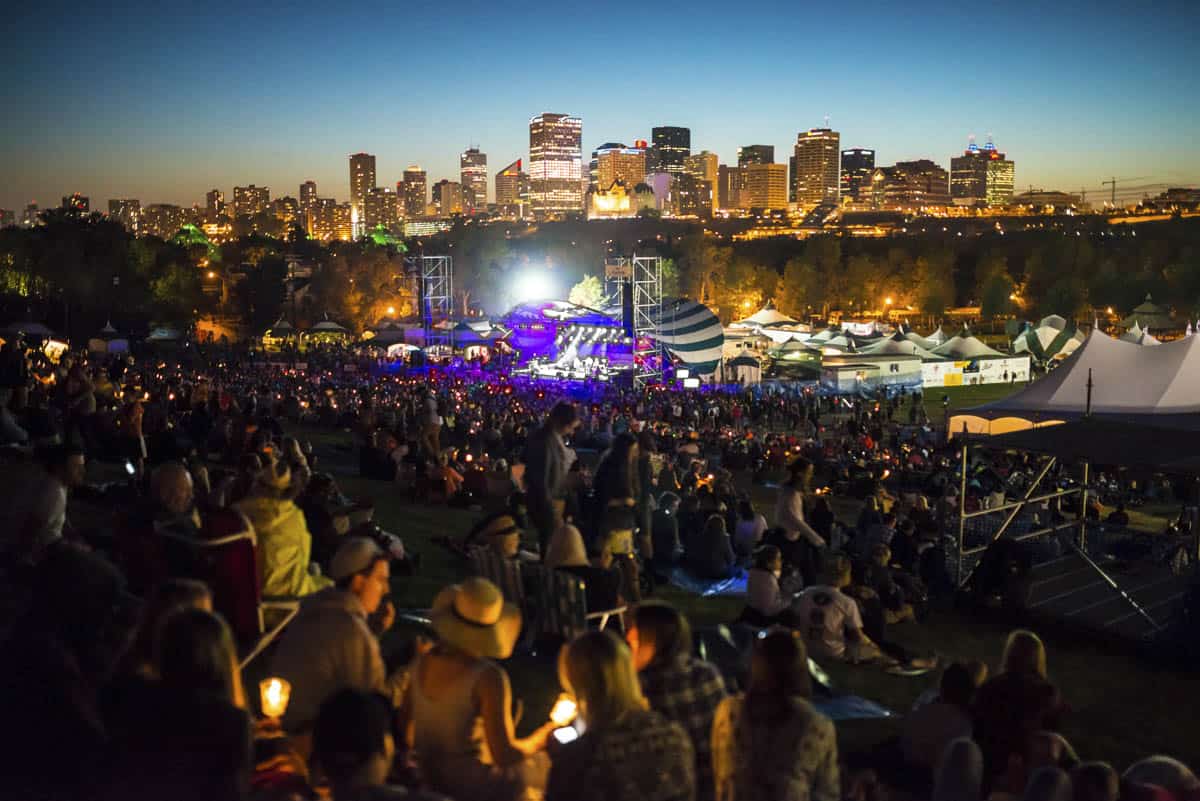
[(162, 101)]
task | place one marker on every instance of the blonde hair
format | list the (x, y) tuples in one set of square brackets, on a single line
[(597, 668), (1024, 653)]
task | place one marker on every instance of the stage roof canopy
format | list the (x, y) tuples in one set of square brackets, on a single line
[(1107, 442)]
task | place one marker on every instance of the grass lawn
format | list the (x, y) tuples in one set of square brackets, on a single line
[(1123, 707), (964, 397)]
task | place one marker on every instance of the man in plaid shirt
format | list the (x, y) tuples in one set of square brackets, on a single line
[(678, 686)]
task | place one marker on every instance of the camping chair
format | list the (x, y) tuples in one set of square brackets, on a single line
[(504, 573), (226, 558), (558, 604)]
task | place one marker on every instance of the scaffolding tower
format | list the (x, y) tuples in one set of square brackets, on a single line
[(617, 272), (435, 293), (646, 276)]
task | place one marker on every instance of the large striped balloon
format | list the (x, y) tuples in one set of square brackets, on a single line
[(692, 334)]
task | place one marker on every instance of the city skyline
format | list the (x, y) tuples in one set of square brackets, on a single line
[(173, 114)]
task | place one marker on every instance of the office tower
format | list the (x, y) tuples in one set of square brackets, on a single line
[(8, 217), (704, 166), (910, 185), (981, 177), (594, 164), (382, 208), (162, 220), (815, 178), (127, 212), (623, 164), (756, 154), (672, 146), (362, 180), (250, 200), (30, 217), (76, 203), (287, 211), (555, 164), (214, 202), (764, 186), (448, 197), (472, 168), (512, 191), (857, 166), (729, 185), (693, 196), (414, 192)]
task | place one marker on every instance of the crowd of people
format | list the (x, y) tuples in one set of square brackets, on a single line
[(127, 637)]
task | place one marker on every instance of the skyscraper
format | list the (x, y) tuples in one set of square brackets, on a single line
[(472, 167), (250, 200), (756, 154), (729, 184), (162, 220), (308, 195), (126, 211), (672, 145), (704, 166), (910, 185), (594, 164), (382, 208), (981, 177), (287, 211), (555, 164), (764, 186), (857, 166), (214, 203), (414, 192), (76, 203), (624, 164), (512, 191), (448, 197), (815, 178), (362, 180)]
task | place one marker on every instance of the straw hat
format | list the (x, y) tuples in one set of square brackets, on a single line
[(499, 525), (566, 548), (474, 617)]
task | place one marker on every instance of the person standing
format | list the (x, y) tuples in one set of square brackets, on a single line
[(431, 426), (547, 460), (800, 544)]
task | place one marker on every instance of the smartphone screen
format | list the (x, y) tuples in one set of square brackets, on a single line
[(566, 734)]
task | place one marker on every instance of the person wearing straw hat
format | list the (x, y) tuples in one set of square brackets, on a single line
[(458, 707)]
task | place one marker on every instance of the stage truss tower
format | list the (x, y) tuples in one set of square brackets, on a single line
[(646, 276), (435, 292)]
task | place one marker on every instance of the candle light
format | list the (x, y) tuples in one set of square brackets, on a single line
[(563, 712), (274, 694)]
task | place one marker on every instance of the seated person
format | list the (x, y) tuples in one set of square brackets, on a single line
[(929, 729), (830, 619), (766, 603), (710, 554), (601, 581), (330, 645), (1118, 516), (446, 478), (331, 517), (284, 544), (880, 577), (751, 526), (36, 515), (665, 533)]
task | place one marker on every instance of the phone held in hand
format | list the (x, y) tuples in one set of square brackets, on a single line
[(566, 734)]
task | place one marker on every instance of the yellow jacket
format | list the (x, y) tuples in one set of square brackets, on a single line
[(284, 547)]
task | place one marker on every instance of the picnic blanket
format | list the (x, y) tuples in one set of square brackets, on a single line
[(735, 586)]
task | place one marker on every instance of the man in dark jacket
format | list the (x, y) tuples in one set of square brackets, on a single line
[(547, 460)]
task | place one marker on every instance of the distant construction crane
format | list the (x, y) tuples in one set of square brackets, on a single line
[(1112, 182)]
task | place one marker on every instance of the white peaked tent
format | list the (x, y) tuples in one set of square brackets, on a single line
[(108, 341), (745, 370), (938, 337), (899, 345), (1139, 336), (1052, 338), (766, 316), (1128, 381), (964, 346), (824, 335)]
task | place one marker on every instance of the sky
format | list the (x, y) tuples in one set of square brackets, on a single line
[(163, 101)]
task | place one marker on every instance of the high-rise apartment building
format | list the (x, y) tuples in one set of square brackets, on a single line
[(815, 176), (756, 154), (858, 164), (382, 208), (624, 164), (672, 146), (705, 167), (693, 196), (448, 197), (214, 203), (512, 191), (362, 180), (308, 195), (8, 217), (910, 186), (330, 220), (126, 211), (31, 216), (163, 220), (414, 192), (764, 186), (555, 164), (287, 211), (250, 200), (981, 176), (729, 186), (594, 164), (472, 170), (76, 203)]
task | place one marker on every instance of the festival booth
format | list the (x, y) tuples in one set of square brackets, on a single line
[(935, 339), (324, 334), (1138, 336), (164, 336), (1051, 339), (1150, 315), (108, 341), (963, 346), (282, 334), (899, 344), (28, 329), (385, 334), (849, 375), (744, 370), (476, 340), (1107, 377)]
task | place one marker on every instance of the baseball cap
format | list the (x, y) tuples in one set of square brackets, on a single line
[(355, 555)]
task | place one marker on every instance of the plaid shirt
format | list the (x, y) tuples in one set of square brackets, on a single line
[(688, 692)]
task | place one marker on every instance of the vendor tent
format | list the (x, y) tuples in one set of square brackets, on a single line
[(164, 334), (1139, 336), (794, 349), (1052, 338), (29, 329), (744, 370), (964, 347), (108, 341), (766, 317), (1149, 314), (938, 337), (898, 345), (691, 333), (1128, 382), (280, 334)]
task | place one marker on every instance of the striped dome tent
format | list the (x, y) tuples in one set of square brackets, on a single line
[(692, 334)]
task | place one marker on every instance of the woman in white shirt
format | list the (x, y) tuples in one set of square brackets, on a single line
[(748, 534), (766, 604)]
